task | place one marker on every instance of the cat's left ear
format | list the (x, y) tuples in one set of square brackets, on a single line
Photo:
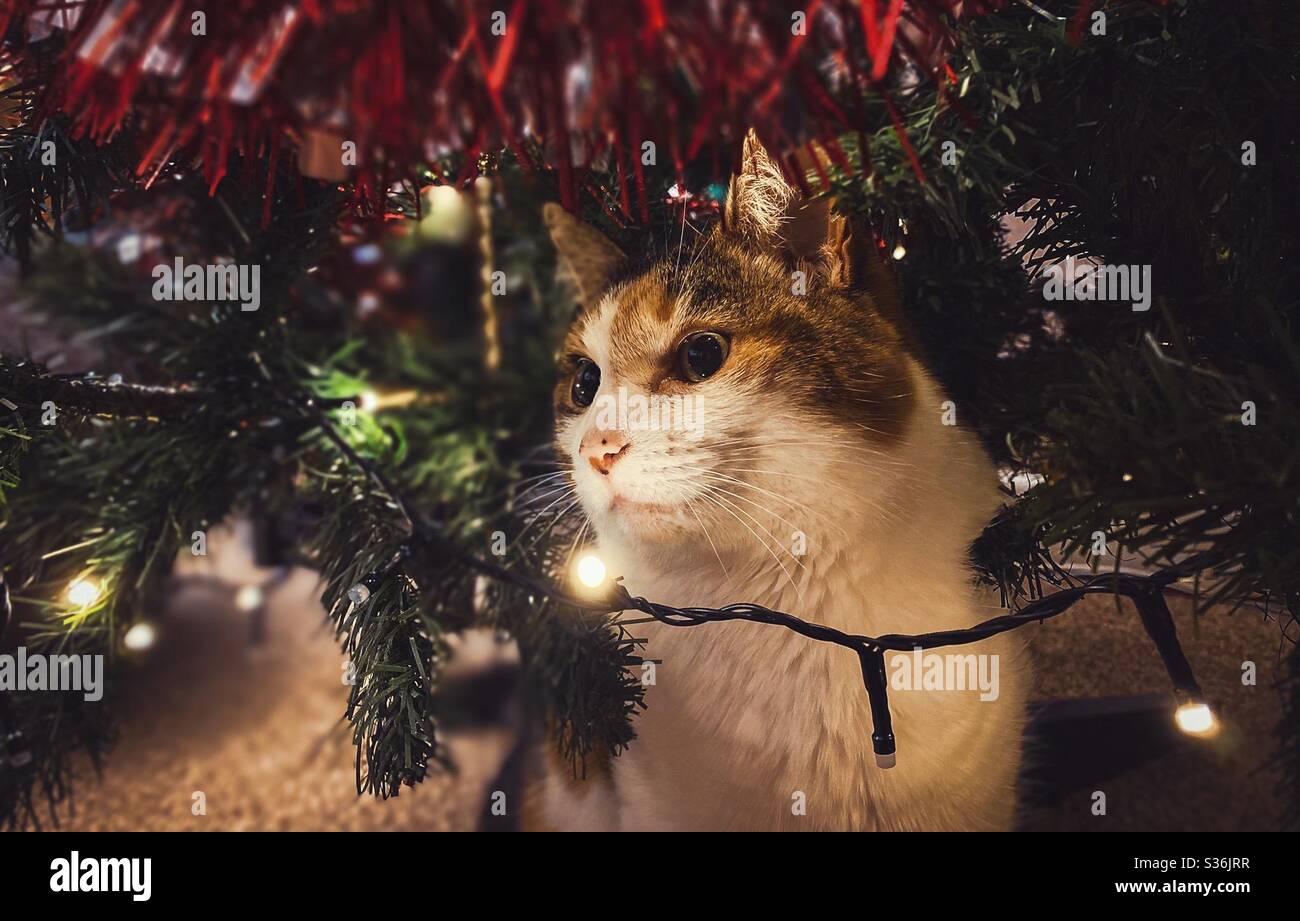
[(768, 213), (590, 257)]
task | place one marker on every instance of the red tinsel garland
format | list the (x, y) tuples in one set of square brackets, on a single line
[(409, 80)]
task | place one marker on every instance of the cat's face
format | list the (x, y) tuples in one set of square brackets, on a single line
[(714, 403)]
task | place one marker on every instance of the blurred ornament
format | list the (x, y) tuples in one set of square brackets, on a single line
[(361, 592), (140, 637), (249, 598), (320, 155), (42, 23), (698, 206), (449, 219), (257, 68), (367, 303)]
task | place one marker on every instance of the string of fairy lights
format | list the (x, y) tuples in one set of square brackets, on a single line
[(602, 594), (599, 593)]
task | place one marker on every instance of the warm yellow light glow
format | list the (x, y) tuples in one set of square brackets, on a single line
[(900, 251), (1196, 719), (443, 196), (83, 593), (249, 598), (591, 571), (373, 401), (140, 637)]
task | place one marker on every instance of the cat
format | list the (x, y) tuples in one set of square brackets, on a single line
[(820, 479)]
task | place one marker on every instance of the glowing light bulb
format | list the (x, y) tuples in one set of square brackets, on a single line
[(591, 571), (249, 598), (83, 593), (140, 637), (1195, 718), (372, 401), (900, 251)]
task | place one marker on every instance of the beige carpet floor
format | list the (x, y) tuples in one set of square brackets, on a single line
[(256, 728)]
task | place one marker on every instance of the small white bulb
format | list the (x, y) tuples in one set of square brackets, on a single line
[(1195, 718), (900, 251), (591, 571), (140, 637), (249, 598), (83, 593)]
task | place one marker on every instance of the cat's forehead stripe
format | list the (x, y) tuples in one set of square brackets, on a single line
[(641, 326), (594, 334)]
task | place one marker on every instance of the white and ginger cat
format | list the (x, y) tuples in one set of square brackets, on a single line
[(821, 432)]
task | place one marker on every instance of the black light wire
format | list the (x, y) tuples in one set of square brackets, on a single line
[(1147, 592)]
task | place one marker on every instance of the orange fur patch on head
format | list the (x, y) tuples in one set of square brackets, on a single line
[(828, 351), (805, 304)]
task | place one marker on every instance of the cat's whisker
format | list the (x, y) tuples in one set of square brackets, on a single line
[(573, 547), (764, 471), (513, 493), (703, 528), (719, 493), (854, 447), (797, 506), (756, 441), (565, 491), (820, 481), (680, 241), (718, 501), (559, 516), (541, 483), (539, 498), (766, 511), (701, 247), (890, 512), (875, 463), (542, 476)]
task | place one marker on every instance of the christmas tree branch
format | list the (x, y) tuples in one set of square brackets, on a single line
[(27, 386), (1145, 591)]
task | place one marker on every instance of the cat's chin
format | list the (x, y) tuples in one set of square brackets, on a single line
[(643, 522)]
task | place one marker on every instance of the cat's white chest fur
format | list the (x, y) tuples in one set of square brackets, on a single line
[(750, 726)]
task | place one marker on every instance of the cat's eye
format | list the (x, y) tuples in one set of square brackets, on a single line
[(701, 355), (586, 381)]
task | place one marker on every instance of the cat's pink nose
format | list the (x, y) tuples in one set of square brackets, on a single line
[(602, 448)]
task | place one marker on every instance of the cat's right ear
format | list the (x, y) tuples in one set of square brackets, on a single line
[(588, 255)]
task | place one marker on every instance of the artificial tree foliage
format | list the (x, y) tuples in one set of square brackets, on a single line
[(1168, 140)]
